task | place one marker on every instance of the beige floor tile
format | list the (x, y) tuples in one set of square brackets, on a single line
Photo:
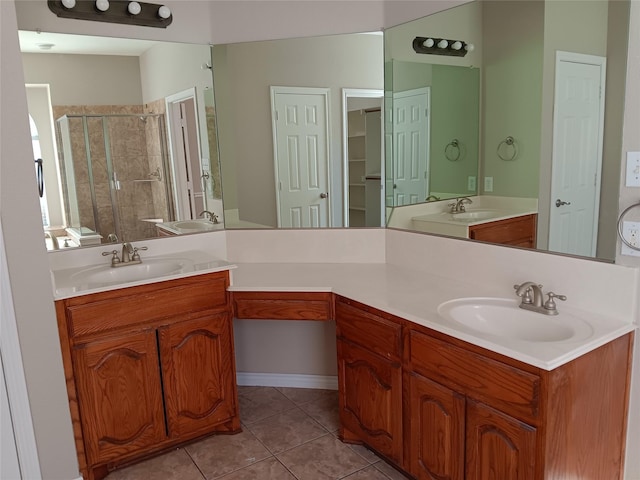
[(365, 453), (175, 465), (322, 459), (324, 411), (306, 395), (369, 473), (221, 454), (389, 471), (286, 430), (269, 469), (261, 403)]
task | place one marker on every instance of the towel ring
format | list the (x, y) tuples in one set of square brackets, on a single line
[(620, 232), (508, 142), (452, 150)]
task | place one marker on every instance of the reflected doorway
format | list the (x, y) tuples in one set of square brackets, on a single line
[(362, 157)]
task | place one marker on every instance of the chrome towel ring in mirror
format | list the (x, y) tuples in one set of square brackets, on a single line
[(620, 227), (510, 148), (452, 150)]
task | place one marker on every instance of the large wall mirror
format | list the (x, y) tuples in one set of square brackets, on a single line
[(530, 119), (126, 134), (300, 131)]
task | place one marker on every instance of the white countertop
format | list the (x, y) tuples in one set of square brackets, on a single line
[(410, 294), (73, 282), (415, 296)]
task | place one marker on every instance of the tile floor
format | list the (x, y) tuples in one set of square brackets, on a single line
[(288, 434)]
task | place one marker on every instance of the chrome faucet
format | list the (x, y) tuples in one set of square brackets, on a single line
[(130, 255), (432, 198), (459, 205), (212, 217), (532, 298)]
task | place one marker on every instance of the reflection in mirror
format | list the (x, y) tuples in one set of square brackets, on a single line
[(267, 157), (548, 144), (124, 129)]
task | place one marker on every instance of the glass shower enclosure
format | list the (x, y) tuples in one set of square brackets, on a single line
[(115, 173)]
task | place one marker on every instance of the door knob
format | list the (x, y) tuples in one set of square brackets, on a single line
[(559, 203), (324, 195)]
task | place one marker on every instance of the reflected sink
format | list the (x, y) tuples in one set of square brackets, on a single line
[(189, 226), (474, 215), (104, 275), (503, 318)]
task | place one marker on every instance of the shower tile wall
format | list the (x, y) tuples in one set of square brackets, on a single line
[(213, 152), (157, 149), (135, 154)]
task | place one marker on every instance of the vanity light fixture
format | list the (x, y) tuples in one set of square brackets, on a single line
[(114, 11), (441, 46)]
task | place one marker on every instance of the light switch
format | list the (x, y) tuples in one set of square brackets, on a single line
[(471, 183), (488, 184), (633, 169)]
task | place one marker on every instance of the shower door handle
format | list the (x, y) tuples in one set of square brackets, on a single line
[(116, 182)]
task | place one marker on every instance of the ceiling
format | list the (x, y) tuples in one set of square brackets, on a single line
[(33, 42)]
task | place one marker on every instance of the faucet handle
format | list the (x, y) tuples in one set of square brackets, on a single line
[(526, 295), (114, 259), (550, 304), (136, 255)]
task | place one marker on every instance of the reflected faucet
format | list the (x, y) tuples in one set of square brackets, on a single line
[(432, 198), (535, 303), (458, 205), (212, 217)]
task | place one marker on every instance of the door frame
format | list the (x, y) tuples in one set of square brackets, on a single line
[(12, 370), (360, 93), (325, 92), (562, 56), (178, 171)]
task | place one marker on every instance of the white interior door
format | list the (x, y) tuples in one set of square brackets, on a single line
[(411, 146), (189, 196), (300, 139), (577, 153)]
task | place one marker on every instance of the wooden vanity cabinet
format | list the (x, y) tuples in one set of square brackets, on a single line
[(148, 368), (370, 379), (517, 231), (440, 408)]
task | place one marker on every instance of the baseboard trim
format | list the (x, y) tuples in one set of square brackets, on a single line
[(287, 380)]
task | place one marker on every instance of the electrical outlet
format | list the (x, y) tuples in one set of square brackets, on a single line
[(631, 233), (488, 184), (471, 183), (633, 169)]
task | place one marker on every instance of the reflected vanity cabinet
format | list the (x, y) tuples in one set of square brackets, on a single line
[(438, 407), (147, 368)]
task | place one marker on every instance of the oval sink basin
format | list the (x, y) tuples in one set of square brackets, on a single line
[(476, 215), (104, 275), (503, 318), (191, 226)]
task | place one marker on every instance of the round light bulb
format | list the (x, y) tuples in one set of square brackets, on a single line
[(428, 42), (102, 5), (469, 47), (457, 45), (134, 8), (443, 43), (68, 3), (164, 12)]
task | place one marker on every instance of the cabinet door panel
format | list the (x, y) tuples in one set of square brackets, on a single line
[(119, 395), (371, 399), (437, 430), (498, 446), (196, 358)]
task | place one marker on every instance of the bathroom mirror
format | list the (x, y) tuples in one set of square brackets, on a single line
[(260, 89), (127, 134), (524, 153)]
